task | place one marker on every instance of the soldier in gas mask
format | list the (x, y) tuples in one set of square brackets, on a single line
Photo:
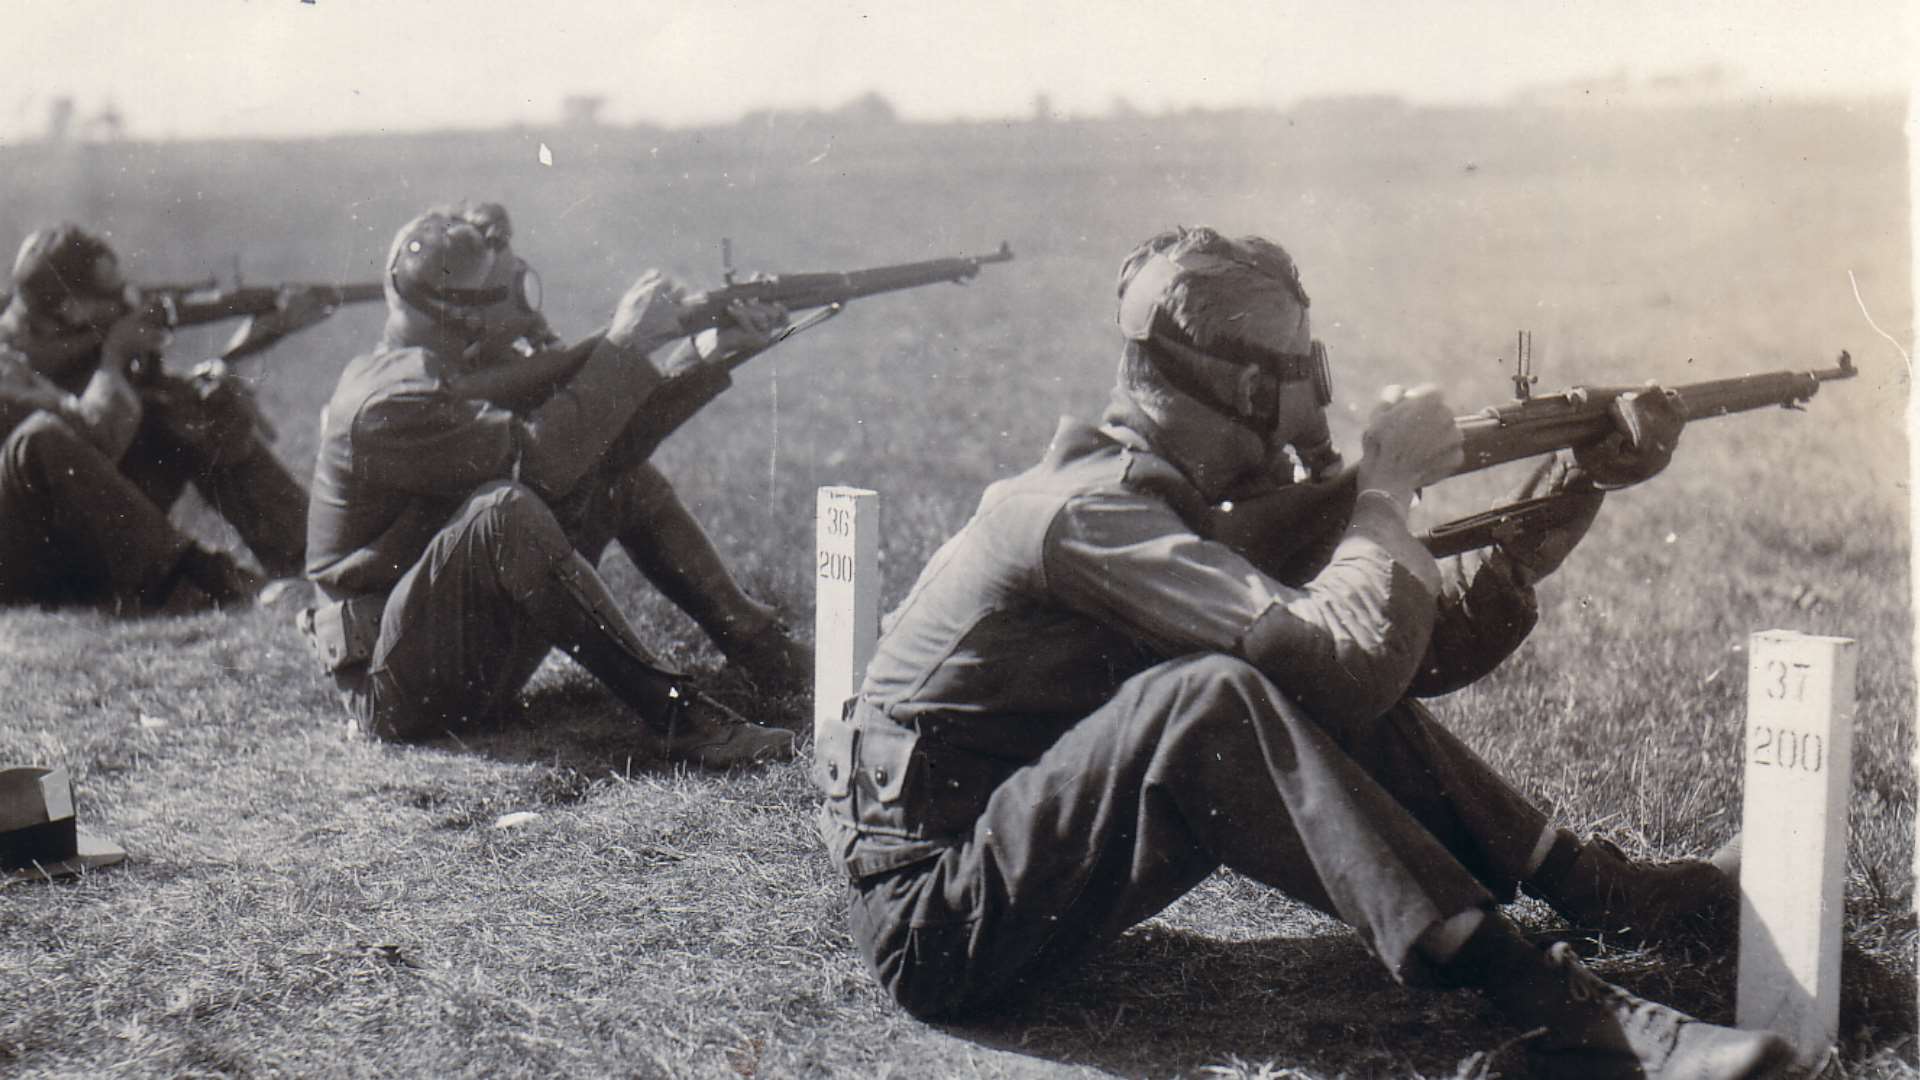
[(455, 535)]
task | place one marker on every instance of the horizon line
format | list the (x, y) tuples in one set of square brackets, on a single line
[(861, 113)]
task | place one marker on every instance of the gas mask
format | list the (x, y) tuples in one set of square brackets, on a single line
[(1245, 380)]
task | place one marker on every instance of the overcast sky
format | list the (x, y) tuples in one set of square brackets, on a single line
[(274, 67)]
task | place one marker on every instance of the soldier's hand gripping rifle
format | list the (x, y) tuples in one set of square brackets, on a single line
[(1274, 527), (687, 391)]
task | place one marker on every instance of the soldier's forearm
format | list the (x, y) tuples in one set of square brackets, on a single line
[(107, 412), (563, 438)]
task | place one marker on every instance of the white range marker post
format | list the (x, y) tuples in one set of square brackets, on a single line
[(846, 613), (1799, 758)]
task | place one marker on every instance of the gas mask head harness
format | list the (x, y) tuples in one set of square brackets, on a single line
[(64, 263), (445, 244), (1240, 377)]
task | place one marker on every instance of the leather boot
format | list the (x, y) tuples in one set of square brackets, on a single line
[(581, 618), (708, 734), (676, 555), (219, 580), (1597, 888), (1594, 1029)]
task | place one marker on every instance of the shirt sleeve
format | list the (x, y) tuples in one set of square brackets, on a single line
[(425, 441), (562, 439), (106, 412), (1345, 644)]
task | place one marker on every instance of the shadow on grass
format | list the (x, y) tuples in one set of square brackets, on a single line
[(1877, 990), (568, 723), (1162, 1002), (1877, 1003)]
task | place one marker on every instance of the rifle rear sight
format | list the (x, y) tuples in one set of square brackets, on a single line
[(1523, 376)]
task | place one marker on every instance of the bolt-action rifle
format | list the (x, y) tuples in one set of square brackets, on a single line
[(271, 312), (1578, 416), (675, 401), (1530, 425)]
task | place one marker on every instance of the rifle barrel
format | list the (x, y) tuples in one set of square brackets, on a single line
[(199, 305), (358, 292), (811, 290), (1720, 397), (684, 394)]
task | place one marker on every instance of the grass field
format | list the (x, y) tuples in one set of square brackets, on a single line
[(299, 904)]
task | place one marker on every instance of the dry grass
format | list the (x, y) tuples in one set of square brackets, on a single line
[(299, 904)]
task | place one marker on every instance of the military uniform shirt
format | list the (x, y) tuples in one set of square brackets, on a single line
[(1084, 571), (398, 454)]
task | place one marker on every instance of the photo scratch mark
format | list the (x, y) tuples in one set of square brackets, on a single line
[(1904, 358)]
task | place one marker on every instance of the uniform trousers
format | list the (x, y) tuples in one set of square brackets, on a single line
[(73, 528), (505, 580), (205, 432), (1390, 824)]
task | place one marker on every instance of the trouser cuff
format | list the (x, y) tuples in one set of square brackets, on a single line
[(1550, 879)]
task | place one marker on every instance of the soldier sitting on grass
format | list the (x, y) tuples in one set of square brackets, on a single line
[(93, 456), (454, 538), (1087, 703)]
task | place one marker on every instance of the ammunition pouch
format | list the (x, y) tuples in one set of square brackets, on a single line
[(887, 780), (341, 635)]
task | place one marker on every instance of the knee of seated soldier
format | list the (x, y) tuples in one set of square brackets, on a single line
[(1220, 673), (215, 415), (47, 437), (511, 516), (1193, 694)]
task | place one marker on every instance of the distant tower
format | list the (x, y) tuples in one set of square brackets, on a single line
[(59, 119), (581, 110), (868, 108)]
